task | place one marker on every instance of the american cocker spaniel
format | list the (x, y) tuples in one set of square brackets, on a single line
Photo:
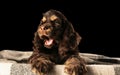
[(56, 42)]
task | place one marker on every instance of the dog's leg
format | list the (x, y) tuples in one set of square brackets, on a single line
[(41, 65), (75, 66)]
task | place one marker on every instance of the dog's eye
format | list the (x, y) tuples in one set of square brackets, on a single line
[(55, 21), (57, 25)]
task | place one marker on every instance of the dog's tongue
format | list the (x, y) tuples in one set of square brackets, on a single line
[(48, 42)]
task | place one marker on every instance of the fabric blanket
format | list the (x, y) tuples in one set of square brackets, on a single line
[(13, 62)]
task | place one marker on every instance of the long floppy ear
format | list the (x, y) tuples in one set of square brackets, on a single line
[(36, 46), (71, 39), (37, 43)]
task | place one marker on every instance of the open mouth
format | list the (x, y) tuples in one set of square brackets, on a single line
[(48, 42)]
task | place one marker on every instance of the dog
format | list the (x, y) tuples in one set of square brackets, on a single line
[(56, 42)]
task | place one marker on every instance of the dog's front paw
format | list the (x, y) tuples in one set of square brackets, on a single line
[(74, 69), (42, 66), (75, 66)]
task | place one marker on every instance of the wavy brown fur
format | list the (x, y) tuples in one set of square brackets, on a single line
[(63, 52)]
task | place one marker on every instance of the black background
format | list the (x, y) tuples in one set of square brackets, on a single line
[(97, 23)]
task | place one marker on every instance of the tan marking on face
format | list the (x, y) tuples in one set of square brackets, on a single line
[(44, 19), (48, 30), (53, 17)]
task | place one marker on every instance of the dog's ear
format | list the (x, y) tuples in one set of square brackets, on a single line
[(71, 39), (36, 42)]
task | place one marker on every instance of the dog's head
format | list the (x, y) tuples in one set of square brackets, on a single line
[(55, 30), (51, 28)]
